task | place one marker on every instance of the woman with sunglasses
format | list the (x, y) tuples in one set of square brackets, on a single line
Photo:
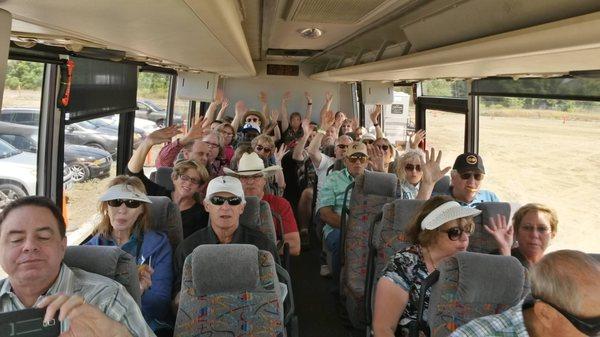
[(124, 222), (389, 153), (408, 170), (535, 225), (188, 178), (440, 230)]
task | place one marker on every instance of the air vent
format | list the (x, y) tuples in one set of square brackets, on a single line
[(293, 52), (331, 11), (283, 69)]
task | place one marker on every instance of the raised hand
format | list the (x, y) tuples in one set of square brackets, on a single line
[(240, 108), (308, 97), (219, 96), (375, 113), (502, 233), (224, 103), (431, 167), (145, 276), (376, 158), (327, 119), (163, 135), (416, 138), (286, 96), (274, 115), (262, 97), (328, 97), (280, 153), (196, 131), (306, 127)]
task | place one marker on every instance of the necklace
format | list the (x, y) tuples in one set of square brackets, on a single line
[(430, 258)]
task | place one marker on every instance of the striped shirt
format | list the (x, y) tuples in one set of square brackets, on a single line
[(107, 295), (507, 324)]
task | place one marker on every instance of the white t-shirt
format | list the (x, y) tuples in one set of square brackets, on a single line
[(321, 171)]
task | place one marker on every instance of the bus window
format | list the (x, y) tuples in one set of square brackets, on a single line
[(19, 129), (90, 150), (445, 88), (546, 151), (446, 132)]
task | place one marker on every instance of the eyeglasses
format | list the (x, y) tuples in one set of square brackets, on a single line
[(455, 233), (252, 120), (361, 159), (262, 148), (468, 175), (368, 141), (212, 145), (342, 146), (531, 228), (383, 147), (411, 167), (588, 326), (128, 203), (233, 201), (187, 178)]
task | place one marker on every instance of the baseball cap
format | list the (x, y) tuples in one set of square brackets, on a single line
[(468, 161), (357, 148), (124, 192), (225, 184), (251, 127)]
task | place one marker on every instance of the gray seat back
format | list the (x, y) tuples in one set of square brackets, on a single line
[(232, 288), (481, 241), (442, 186), (371, 191), (163, 177), (473, 285), (166, 217), (257, 215), (108, 261)]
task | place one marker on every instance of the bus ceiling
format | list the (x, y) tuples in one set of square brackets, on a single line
[(338, 40)]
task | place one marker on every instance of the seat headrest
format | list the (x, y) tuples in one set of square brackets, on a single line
[(165, 216), (442, 186), (380, 183), (108, 261), (225, 268), (485, 278), (396, 214), (481, 241), (163, 177), (595, 256), (251, 215)]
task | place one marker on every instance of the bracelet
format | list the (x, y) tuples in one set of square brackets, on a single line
[(376, 124), (309, 103)]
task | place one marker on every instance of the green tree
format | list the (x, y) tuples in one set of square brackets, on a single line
[(24, 75)]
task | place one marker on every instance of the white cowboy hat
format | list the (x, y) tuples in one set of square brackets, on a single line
[(251, 164)]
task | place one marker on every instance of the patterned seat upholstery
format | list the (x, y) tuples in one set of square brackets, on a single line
[(109, 261), (166, 217), (163, 177), (371, 191), (229, 290), (481, 241), (473, 285), (387, 238)]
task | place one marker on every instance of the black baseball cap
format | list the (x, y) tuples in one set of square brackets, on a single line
[(468, 161)]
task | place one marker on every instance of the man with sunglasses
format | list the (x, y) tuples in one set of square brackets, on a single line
[(331, 199), (564, 301), (224, 203), (467, 175)]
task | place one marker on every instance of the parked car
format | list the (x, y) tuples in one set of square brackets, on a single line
[(18, 174), (79, 135), (110, 126), (147, 109), (24, 116), (84, 162)]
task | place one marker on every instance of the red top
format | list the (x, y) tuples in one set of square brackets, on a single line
[(167, 155), (282, 207)]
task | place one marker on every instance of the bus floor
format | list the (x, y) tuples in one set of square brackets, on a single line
[(315, 305)]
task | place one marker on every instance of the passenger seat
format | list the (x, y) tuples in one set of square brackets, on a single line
[(481, 241), (230, 290), (166, 217)]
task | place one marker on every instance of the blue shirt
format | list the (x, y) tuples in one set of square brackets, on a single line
[(480, 196), (510, 323), (332, 194)]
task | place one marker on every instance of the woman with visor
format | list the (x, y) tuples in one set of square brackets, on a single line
[(440, 230), (188, 178), (124, 223)]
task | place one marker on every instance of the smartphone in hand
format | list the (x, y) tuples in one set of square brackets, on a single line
[(28, 323)]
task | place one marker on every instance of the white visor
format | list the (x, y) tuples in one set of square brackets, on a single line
[(448, 211)]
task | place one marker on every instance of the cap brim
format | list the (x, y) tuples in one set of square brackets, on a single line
[(112, 194), (448, 214)]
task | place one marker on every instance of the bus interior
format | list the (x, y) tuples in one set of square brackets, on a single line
[(517, 81)]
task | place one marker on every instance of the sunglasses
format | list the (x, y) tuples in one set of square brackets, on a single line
[(383, 147), (587, 326), (233, 201), (262, 148), (455, 233), (468, 175), (411, 167), (342, 146), (128, 203), (187, 178), (361, 159), (252, 120), (368, 141)]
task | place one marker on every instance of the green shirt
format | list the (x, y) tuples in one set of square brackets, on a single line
[(332, 194)]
